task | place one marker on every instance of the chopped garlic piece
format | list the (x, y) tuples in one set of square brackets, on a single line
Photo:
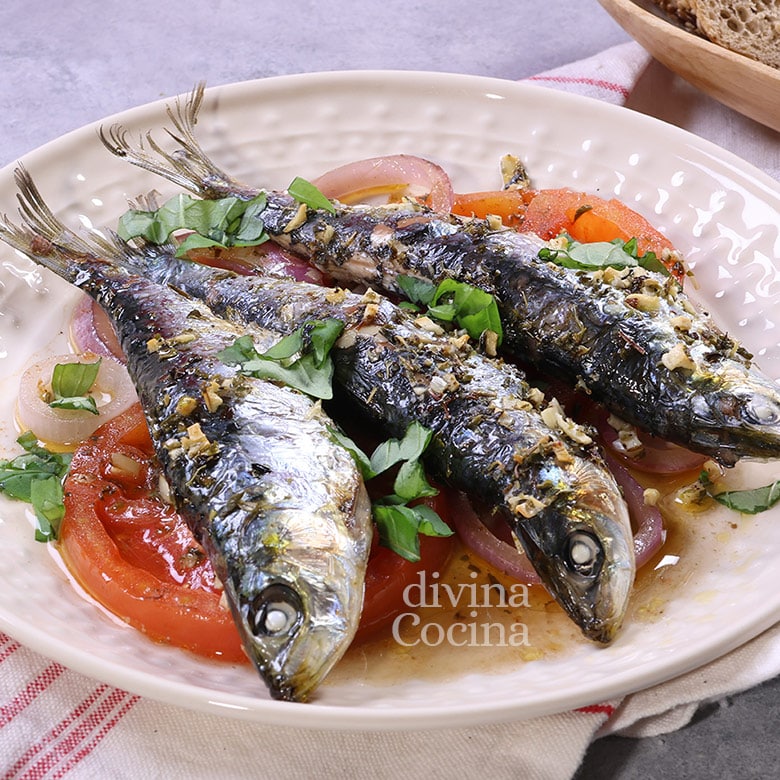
[(677, 357), (491, 343), (211, 397), (297, 220), (555, 419), (644, 302), (123, 464), (186, 405), (427, 324)]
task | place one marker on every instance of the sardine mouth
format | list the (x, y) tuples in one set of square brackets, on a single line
[(588, 567)]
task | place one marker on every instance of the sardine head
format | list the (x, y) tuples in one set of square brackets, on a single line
[(297, 603), (739, 417), (582, 549)]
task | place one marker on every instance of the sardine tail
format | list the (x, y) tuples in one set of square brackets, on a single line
[(41, 236), (188, 166)]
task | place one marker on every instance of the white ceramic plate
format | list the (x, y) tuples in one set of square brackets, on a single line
[(721, 213)]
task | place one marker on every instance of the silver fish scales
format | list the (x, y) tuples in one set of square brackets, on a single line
[(490, 435), (633, 340), (279, 507)]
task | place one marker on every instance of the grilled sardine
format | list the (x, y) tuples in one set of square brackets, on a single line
[(279, 507), (633, 340), (494, 436)]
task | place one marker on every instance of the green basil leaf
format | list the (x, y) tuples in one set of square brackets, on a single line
[(69, 380), (305, 192), (304, 375), (322, 336), (46, 498), (300, 360), (469, 307), (195, 241), (85, 403), (650, 262), (361, 459), (36, 478), (446, 312), (250, 229), (749, 502), (417, 290), (602, 254), (287, 348), (411, 483), (398, 524), (242, 350), (429, 522), (398, 530), (223, 222), (393, 451)]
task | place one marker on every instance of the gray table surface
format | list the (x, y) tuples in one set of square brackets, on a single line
[(67, 64)]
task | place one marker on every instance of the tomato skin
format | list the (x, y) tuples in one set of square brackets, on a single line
[(388, 575), (510, 205), (159, 580), (586, 218)]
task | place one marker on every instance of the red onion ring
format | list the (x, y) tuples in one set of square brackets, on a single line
[(91, 331), (647, 521), (356, 181), (268, 257), (658, 456), (478, 538)]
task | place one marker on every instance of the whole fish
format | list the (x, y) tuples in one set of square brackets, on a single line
[(633, 340), (279, 507), (494, 436)]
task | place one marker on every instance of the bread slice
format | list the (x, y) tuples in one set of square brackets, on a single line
[(683, 10), (750, 27)]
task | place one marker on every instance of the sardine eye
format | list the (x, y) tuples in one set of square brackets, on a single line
[(584, 553), (276, 611), (761, 410)]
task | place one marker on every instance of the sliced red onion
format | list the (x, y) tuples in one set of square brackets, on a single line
[(656, 456), (477, 537), (91, 331), (268, 258), (113, 391), (275, 260), (647, 524), (388, 174), (646, 520)]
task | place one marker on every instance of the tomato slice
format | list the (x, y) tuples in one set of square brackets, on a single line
[(586, 218), (136, 556), (510, 205), (133, 553)]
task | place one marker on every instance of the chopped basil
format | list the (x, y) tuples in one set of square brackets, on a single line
[(400, 527), (602, 254), (451, 301), (749, 502), (301, 360), (223, 222), (417, 290), (36, 478), (70, 385), (399, 524), (305, 192)]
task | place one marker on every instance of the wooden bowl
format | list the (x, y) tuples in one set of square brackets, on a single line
[(747, 86)]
